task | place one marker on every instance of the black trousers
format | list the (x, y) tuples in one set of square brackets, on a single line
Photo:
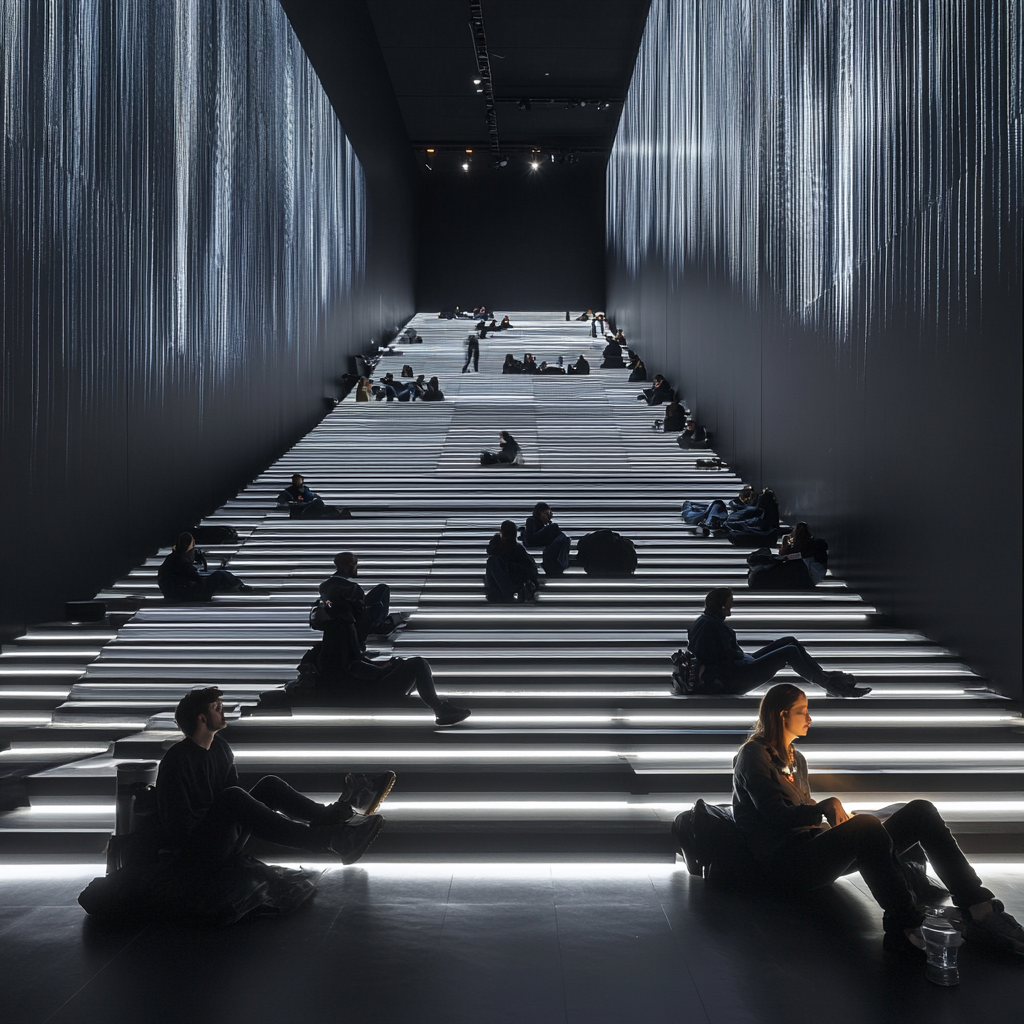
[(556, 545), (391, 681), (768, 662), (377, 603), (271, 810), (870, 846), (503, 580), (472, 355)]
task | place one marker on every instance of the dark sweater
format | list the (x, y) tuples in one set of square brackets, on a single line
[(302, 495), (771, 811), (189, 780), (345, 593), (513, 554), (178, 574), (712, 642)]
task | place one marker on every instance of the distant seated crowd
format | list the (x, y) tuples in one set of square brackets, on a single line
[(529, 364)]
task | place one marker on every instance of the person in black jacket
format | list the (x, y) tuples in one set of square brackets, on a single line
[(184, 576), (802, 844), (611, 357), (715, 647), (511, 574), (432, 392), (206, 815), (370, 609), (541, 531), (507, 455), (580, 367), (693, 436), (308, 504), (511, 365), (675, 416), (660, 392), (472, 353), (636, 365)]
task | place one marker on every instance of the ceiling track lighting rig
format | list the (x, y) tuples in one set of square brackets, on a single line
[(483, 82)]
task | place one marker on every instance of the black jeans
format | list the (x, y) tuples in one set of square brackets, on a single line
[(472, 356), (377, 603), (767, 662), (219, 581), (392, 680), (503, 580), (556, 547), (271, 810), (870, 846)]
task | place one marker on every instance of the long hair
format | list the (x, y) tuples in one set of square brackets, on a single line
[(768, 729)]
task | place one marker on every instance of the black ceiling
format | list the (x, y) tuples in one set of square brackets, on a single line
[(578, 50)]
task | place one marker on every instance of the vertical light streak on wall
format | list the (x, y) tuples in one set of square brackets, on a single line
[(780, 145), (182, 218)]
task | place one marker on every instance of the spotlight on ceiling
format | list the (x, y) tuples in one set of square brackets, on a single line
[(476, 81), (465, 166), (534, 165)]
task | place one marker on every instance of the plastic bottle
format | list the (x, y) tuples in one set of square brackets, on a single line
[(942, 941)]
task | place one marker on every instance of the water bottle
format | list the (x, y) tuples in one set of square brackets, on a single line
[(941, 943)]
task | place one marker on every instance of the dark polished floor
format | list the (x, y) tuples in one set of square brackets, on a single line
[(487, 943)]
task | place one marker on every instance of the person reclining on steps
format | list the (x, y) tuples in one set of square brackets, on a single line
[(542, 532), (370, 610), (308, 504), (183, 575), (581, 367), (511, 365), (796, 850), (510, 452), (715, 647), (206, 816), (511, 574), (611, 357), (585, 316), (693, 436), (505, 325), (546, 367)]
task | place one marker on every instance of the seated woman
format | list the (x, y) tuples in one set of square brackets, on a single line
[(493, 325), (747, 498), (813, 551), (620, 338), (612, 357), (363, 391), (636, 365), (432, 392), (530, 364), (675, 416), (797, 850), (505, 325), (693, 436), (511, 365), (510, 452), (580, 367)]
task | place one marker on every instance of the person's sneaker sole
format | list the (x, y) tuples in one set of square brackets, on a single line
[(390, 780), (453, 718), (371, 834)]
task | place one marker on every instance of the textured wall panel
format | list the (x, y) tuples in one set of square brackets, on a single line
[(814, 223), (183, 244)]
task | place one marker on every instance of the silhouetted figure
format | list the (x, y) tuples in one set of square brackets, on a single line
[(675, 416), (207, 816), (432, 392), (727, 669), (660, 392), (542, 532), (511, 365), (505, 324), (511, 574), (183, 575), (611, 357), (510, 453), (530, 364), (586, 316), (307, 504), (638, 371), (800, 844), (581, 367), (693, 436), (370, 610), (472, 353)]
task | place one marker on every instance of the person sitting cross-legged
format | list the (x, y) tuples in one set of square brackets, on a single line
[(511, 574), (184, 576), (717, 650), (206, 816), (542, 532), (308, 504)]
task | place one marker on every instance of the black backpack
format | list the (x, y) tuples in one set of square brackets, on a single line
[(714, 848), (606, 553), (689, 678)]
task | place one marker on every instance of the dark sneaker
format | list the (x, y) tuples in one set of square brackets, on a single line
[(996, 929), (449, 714), (842, 684), (367, 792), (350, 842), (336, 814), (686, 842)]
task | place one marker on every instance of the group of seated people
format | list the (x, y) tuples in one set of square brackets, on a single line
[(477, 313), (511, 573), (387, 387), (484, 328), (529, 364)]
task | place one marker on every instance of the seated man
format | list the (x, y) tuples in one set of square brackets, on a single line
[(432, 392), (180, 577), (581, 366), (370, 610), (723, 661), (511, 364), (542, 532), (661, 392), (308, 504), (693, 436), (511, 573), (206, 816), (675, 416), (612, 356)]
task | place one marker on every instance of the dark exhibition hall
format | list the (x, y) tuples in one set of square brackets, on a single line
[(355, 668)]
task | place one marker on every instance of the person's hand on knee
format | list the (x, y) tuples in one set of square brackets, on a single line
[(835, 813)]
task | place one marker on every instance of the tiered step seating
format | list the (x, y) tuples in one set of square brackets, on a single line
[(576, 746)]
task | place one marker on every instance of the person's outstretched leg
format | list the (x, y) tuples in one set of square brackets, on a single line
[(740, 679), (415, 674), (279, 796), (920, 822), (835, 684)]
